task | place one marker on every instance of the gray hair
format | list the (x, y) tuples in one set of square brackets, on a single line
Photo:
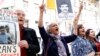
[(48, 28)]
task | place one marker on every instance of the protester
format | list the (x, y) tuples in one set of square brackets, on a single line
[(28, 40), (90, 35), (54, 44), (81, 46)]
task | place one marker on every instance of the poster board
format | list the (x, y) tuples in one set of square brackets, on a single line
[(65, 16), (64, 9), (9, 30)]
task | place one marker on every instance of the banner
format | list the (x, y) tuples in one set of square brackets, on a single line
[(9, 33)]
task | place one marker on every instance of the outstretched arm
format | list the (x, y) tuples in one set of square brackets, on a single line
[(76, 19), (42, 31), (40, 22)]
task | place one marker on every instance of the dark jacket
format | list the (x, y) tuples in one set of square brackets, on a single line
[(31, 38), (50, 46)]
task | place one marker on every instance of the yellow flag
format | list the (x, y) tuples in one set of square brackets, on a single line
[(51, 4)]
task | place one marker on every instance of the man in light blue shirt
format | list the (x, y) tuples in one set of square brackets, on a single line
[(3, 36)]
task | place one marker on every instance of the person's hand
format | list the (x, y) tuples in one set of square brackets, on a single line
[(81, 6), (42, 8), (23, 44)]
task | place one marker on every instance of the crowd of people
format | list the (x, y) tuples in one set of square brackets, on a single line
[(83, 43)]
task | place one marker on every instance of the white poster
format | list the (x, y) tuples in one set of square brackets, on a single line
[(9, 33), (64, 9), (65, 15)]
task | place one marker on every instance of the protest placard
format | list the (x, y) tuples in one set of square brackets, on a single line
[(9, 33)]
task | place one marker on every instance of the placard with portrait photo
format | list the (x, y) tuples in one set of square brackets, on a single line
[(9, 33), (64, 9)]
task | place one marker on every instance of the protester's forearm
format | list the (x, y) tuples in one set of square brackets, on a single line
[(75, 22), (40, 23), (76, 19)]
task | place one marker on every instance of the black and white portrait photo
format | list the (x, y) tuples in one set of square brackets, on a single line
[(64, 13), (64, 7)]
